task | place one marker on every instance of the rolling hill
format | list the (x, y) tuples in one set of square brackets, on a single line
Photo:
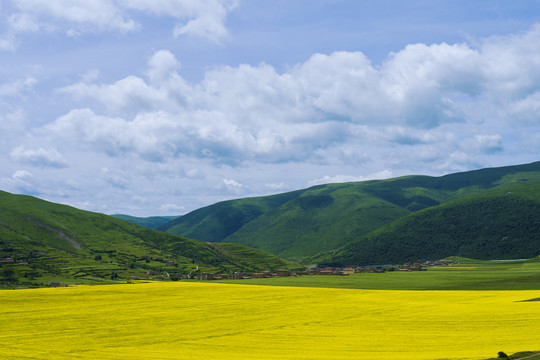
[(216, 222), (503, 223), (41, 242), (303, 223)]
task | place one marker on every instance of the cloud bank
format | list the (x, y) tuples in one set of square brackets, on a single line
[(332, 103), (151, 136)]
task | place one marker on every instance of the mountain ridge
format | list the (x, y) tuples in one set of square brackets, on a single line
[(323, 218)]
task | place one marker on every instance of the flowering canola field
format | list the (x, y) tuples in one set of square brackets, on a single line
[(187, 320)]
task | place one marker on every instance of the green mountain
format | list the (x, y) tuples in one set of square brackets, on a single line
[(151, 222), (323, 218), (502, 223), (216, 222), (41, 242)]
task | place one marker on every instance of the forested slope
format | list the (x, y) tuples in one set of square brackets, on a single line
[(503, 223)]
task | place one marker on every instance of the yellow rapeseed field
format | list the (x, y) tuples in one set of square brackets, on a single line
[(187, 320)]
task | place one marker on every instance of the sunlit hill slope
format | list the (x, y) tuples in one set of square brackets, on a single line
[(42, 242)]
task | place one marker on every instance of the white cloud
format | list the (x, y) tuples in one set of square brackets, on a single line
[(384, 174), (489, 143), (39, 157), (163, 65), (332, 118), (512, 64), (232, 186), (146, 135), (17, 87), (22, 175), (311, 110), (204, 19), (458, 161), (172, 209), (23, 181), (525, 110), (277, 186), (73, 17), (23, 23), (130, 94)]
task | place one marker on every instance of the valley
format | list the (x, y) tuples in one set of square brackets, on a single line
[(159, 295)]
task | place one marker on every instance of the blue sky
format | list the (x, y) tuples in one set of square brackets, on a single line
[(162, 107)]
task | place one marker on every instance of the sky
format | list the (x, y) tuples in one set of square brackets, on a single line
[(161, 107)]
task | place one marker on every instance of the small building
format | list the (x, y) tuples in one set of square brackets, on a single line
[(326, 272), (283, 273), (236, 276), (205, 276), (259, 275)]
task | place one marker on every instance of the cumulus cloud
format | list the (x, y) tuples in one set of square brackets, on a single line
[(145, 135), (163, 65), (39, 157), (323, 109), (441, 107)]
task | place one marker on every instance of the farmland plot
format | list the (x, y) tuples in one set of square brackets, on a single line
[(185, 320)]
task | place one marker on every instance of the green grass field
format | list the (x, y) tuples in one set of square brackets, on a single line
[(467, 274)]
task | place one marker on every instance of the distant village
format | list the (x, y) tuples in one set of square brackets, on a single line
[(336, 271), (161, 275)]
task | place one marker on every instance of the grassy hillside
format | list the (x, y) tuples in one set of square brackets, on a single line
[(151, 222), (502, 223), (216, 222), (322, 218), (41, 242), (253, 258)]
